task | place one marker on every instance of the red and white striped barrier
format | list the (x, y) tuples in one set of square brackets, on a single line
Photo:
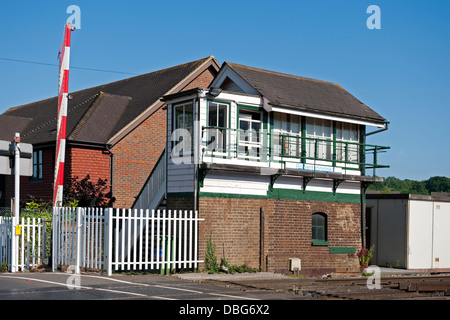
[(62, 116)]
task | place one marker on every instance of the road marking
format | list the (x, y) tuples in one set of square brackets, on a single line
[(172, 288), (87, 288), (130, 283), (230, 296)]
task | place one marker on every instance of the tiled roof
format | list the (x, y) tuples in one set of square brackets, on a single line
[(122, 101), (304, 93)]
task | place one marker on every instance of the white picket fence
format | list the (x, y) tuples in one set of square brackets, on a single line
[(78, 238), (5, 241), (125, 239), (30, 236)]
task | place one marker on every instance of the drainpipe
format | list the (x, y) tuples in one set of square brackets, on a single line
[(108, 147), (363, 190), (196, 150), (386, 125)]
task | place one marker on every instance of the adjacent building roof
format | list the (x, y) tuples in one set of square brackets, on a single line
[(304, 94), (101, 113)]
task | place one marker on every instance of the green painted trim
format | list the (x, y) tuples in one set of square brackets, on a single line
[(362, 151), (244, 106), (289, 194), (334, 144), (303, 124), (322, 243), (286, 194), (342, 249)]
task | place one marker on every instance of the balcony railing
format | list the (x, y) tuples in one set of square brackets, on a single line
[(306, 152)]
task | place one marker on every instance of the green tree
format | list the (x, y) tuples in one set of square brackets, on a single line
[(393, 184), (438, 184)]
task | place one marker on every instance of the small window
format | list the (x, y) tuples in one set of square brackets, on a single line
[(217, 126), (37, 165), (287, 129), (250, 135), (183, 119), (319, 229), (319, 135), (348, 149)]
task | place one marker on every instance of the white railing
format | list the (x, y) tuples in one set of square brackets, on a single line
[(78, 238), (125, 239), (154, 188), (30, 235), (5, 241), (32, 243)]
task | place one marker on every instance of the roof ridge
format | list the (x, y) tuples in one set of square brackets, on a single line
[(56, 118), (113, 82), (231, 64)]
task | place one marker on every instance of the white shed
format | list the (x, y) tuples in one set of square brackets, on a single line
[(409, 231)]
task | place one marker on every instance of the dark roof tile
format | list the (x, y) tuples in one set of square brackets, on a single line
[(305, 94), (140, 93)]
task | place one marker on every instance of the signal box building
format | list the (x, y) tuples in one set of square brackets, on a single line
[(276, 164)]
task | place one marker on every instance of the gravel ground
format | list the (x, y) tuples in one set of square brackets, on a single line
[(272, 276), (231, 277)]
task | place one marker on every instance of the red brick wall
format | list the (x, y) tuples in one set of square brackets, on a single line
[(79, 162), (82, 161), (235, 228), (134, 158), (203, 80)]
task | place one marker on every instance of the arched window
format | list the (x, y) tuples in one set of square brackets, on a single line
[(319, 229)]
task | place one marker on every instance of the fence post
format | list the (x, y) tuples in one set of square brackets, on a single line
[(55, 222), (108, 241), (79, 247)]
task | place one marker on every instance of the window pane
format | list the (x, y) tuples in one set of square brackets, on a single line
[(212, 115), (354, 133), (285, 122), (178, 117), (327, 129), (243, 125), (347, 131), (339, 130), (295, 124), (222, 116), (318, 226), (188, 118), (277, 121), (256, 126), (310, 127)]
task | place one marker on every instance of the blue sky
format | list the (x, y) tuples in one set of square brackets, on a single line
[(401, 70)]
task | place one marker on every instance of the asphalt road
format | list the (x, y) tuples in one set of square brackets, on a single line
[(64, 286), (176, 298)]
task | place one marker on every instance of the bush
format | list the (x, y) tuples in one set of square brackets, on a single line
[(210, 257)]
